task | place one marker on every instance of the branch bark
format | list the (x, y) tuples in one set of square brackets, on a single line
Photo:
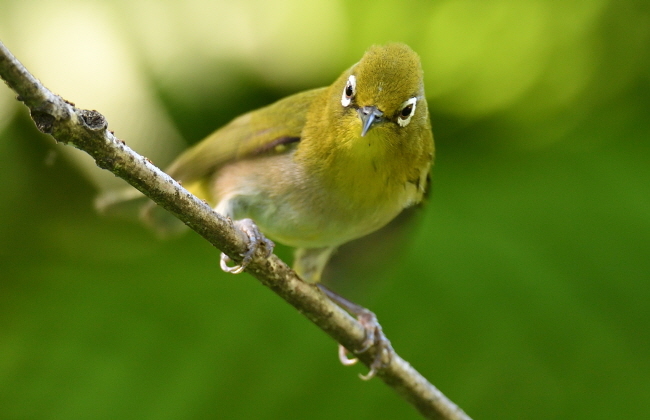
[(87, 130)]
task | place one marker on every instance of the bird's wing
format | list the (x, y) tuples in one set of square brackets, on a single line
[(267, 129)]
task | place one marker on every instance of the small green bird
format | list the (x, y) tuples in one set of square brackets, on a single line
[(323, 167)]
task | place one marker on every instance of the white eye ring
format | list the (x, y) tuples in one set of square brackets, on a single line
[(349, 91), (404, 119)]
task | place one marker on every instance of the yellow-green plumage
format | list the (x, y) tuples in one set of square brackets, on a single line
[(302, 171)]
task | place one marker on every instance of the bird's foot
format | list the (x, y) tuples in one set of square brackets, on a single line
[(255, 240), (374, 337)]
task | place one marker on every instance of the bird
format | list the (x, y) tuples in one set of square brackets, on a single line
[(321, 168)]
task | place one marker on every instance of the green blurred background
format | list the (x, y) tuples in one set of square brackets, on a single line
[(523, 295)]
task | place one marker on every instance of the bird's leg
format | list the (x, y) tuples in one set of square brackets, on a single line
[(374, 334), (310, 262), (256, 239)]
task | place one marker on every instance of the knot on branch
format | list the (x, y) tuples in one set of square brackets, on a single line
[(44, 120), (93, 120), (47, 113)]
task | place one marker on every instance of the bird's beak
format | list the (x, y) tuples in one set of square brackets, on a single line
[(369, 116)]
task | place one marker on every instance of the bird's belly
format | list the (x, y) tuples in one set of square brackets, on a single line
[(299, 212), (298, 222)]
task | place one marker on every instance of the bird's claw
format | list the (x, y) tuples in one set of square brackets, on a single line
[(255, 240), (374, 337), (343, 357)]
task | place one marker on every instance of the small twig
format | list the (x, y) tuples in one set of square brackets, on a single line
[(87, 130)]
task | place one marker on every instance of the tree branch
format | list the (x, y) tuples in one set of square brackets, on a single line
[(87, 130)]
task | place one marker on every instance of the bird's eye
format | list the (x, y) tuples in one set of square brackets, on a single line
[(408, 109), (349, 91)]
